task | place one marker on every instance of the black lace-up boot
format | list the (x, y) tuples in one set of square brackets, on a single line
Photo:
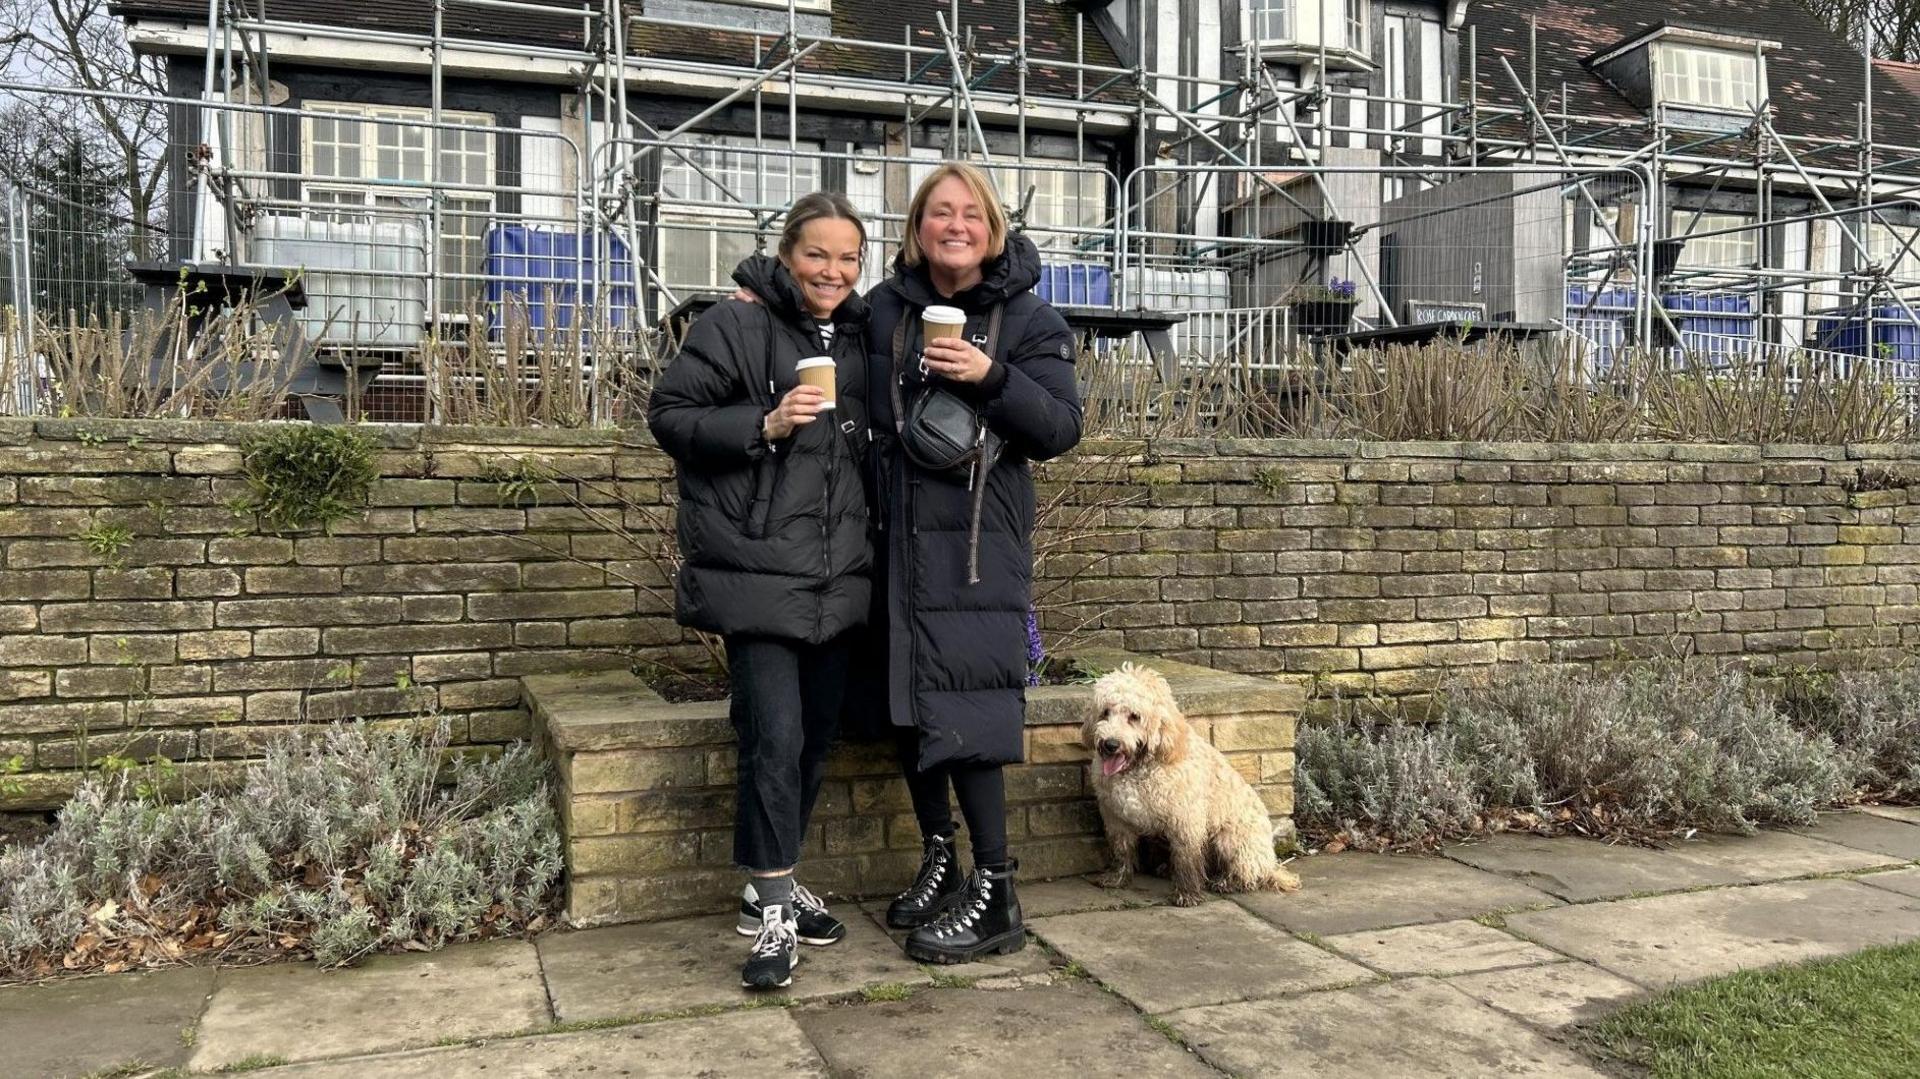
[(986, 921), (935, 888)]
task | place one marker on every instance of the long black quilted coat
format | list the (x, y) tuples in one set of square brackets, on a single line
[(955, 654), (775, 539)]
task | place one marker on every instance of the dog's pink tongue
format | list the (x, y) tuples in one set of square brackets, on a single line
[(1112, 766)]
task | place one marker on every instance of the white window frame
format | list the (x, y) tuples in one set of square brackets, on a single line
[(731, 160), (1271, 21), (1069, 198), (1289, 23), (1884, 243), (1359, 14), (1732, 251), (465, 211), (1695, 76)]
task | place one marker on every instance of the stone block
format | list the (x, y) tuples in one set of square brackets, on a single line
[(307, 611), (309, 580), (286, 642)]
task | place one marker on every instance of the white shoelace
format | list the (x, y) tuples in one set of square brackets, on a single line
[(777, 933), (939, 873), (964, 917), (807, 901)]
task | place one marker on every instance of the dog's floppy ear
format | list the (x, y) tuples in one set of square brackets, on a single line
[(1170, 735)]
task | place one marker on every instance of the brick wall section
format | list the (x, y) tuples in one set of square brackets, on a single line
[(1378, 566), (1386, 566), (210, 635)]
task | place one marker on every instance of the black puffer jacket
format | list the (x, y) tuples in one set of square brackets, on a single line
[(956, 654), (774, 538)]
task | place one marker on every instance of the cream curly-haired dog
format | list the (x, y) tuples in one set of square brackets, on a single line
[(1154, 777)]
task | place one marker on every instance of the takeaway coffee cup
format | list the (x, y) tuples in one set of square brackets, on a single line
[(942, 322), (937, 322), (819, 371)]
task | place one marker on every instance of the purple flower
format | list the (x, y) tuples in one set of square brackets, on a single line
[(1036, 653), (1342, 288)]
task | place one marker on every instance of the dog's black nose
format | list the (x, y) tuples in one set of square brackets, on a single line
[(1109, 746)]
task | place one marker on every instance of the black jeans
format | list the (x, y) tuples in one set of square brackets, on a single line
[(982, 792), (786, 711)]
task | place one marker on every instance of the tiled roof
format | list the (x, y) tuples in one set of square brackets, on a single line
[(1815, 79), (994, 23), (1907, 77)]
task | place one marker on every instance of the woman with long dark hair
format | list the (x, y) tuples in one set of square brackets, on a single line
[(773, 530)]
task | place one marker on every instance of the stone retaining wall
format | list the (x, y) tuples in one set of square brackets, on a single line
[(208, 635), (1383, 567), (646, 790), (1363, 566)]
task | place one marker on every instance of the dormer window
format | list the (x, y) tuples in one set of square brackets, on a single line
[(1694, 76), (1699, 77)]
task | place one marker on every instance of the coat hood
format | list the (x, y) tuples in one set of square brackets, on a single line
[(1014, 271), (767, 277)]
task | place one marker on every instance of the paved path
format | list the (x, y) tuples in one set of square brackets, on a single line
[(1466, 964)]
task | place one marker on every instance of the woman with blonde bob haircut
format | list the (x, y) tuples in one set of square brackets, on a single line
[(954, 558), (984, 196)]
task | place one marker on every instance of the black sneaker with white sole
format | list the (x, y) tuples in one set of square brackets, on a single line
[(775, 952), (813, 925)]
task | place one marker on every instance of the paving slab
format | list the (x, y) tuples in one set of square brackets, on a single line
[(1179, 957), (1661, 940), (1417, 1027), (658, 968), (1444, 948), (1067, 1029), (1865, 831), (128, 1019), (1072, 895), (1580, 870), (1345, 893), (1553, 995), (1903, 881), (762, 1041), (298, 1012), (1910, 814)]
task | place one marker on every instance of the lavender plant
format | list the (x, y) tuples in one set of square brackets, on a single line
[(1642, 752), (354, 841)]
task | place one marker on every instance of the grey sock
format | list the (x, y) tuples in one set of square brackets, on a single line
[(774, 890)]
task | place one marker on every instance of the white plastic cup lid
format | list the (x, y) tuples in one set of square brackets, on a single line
[(814, 361), (945, 316)]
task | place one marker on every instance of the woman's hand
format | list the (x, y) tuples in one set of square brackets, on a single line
[(954, 358), (745, 295), (801, 406)]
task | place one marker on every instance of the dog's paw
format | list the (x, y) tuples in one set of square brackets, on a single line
[(1283, 881), (1114, 879), (1188, 899)]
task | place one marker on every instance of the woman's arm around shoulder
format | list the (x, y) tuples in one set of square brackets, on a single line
[(703, 411)]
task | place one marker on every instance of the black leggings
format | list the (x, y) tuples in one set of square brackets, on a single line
[(981, 789)]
